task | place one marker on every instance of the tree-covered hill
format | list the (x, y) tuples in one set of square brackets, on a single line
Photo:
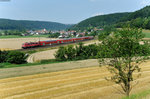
[(139, 18), (101, 20), (142, 13), (6, 24)]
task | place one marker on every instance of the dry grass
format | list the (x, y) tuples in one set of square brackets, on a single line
[(5, 49), (84, 83)]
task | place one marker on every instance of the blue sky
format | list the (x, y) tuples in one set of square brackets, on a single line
[(65, 11)]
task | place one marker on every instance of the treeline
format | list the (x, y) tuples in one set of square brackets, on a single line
[(13, 57), (76, 53), (92, 51), (13, 32), (6, 24)]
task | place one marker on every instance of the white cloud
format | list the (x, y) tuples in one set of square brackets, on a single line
[(145, 2), (97, 14)]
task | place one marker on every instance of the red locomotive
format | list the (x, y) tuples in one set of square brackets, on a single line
[(54, 42)]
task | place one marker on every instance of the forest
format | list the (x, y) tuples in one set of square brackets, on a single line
[(7, 24), (139, 19)]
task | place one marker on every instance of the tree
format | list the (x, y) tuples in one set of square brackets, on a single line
[(54, 35), (122, 53), (70, 52), (106, 32), (16, 57), (60, 54), (79, 50)]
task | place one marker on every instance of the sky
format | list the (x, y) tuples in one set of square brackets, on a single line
[(65, 11)]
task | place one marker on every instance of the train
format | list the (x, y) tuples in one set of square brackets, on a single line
[(55, 42)]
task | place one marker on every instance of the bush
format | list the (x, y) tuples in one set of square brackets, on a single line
[(1, 65), (3, 56), (77, 53), (60, 54), (16, 57)]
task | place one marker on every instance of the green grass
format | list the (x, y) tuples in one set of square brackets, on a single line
[(9, 65), (146, 33), (42, 62), (138, 95), (17, 36)]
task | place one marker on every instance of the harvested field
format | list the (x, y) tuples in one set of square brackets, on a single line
[(83, 83), (43, 55), (16, 43)]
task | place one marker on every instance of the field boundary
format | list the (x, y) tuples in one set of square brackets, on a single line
[(29, 70)]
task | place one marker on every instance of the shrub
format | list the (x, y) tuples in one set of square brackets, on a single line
[(3, 56), (16, 57)]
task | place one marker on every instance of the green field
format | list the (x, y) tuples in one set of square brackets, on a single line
[(16, 36), (141, 95), (146, 33)]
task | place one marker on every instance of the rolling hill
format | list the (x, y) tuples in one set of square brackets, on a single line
[(139, 18), (101, 20), (6, 24)]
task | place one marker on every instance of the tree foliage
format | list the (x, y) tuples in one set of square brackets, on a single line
[(76, 53), (106, 32), (122, 53), (54, 35), (3, 56), (139, 19), (60, 54), (16, 57)]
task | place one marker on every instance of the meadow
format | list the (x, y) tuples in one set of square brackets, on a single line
[(146, 33), (17, 36)]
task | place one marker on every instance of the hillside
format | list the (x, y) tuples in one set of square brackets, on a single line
[(101, 20), (142, 13), (25, 24), (139, 18)]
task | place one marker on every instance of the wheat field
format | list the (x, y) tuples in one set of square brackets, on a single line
[(83, 83)]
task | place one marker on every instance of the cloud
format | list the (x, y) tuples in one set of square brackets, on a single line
[(145, 2), (97, 14)]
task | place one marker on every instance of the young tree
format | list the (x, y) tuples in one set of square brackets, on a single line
[(122, 53)]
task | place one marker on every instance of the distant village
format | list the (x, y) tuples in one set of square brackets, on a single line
[(63, 33), (52, 34)]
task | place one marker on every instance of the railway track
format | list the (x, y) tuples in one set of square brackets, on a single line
[(50, 46)]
